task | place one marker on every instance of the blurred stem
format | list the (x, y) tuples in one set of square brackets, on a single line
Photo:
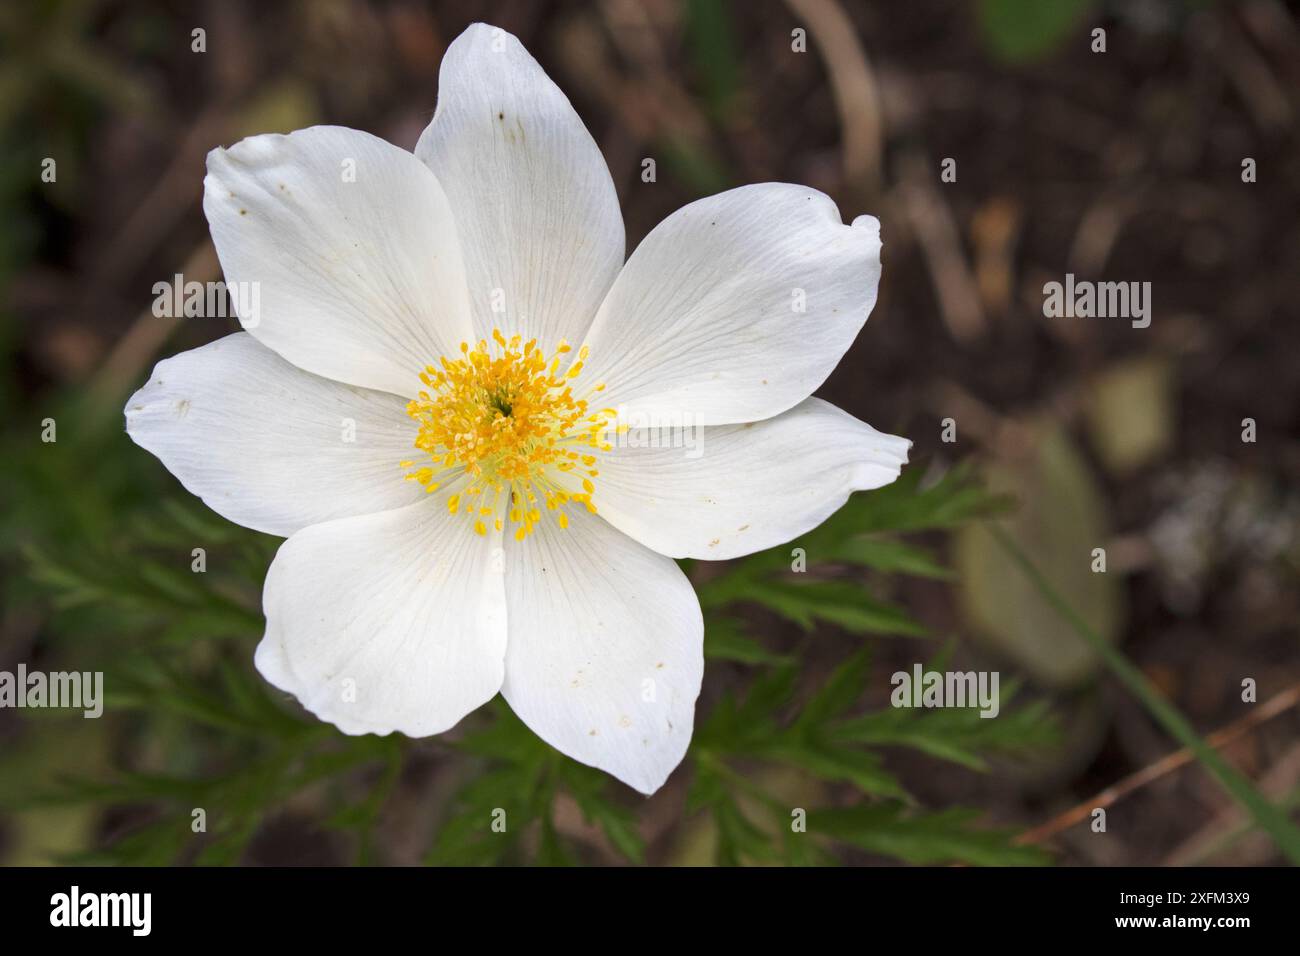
[(1267, 816)]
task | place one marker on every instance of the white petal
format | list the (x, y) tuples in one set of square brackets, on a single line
[(741, 488), (535, 207), (703, 323), (353, 250), (269, 446), (393, 621), (606, 651)]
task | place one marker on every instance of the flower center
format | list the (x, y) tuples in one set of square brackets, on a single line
[(506, 419)]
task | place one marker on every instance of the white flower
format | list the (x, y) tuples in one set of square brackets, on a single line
[(464, 519)]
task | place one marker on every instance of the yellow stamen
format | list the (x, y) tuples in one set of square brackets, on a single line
[(508, 421)]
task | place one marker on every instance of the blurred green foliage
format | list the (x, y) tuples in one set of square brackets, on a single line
[(711, 38), (1022, 30)]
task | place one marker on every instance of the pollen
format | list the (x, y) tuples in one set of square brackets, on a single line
[(506, 419)]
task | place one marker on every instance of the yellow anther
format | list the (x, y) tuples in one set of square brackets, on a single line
[(503, 419)]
